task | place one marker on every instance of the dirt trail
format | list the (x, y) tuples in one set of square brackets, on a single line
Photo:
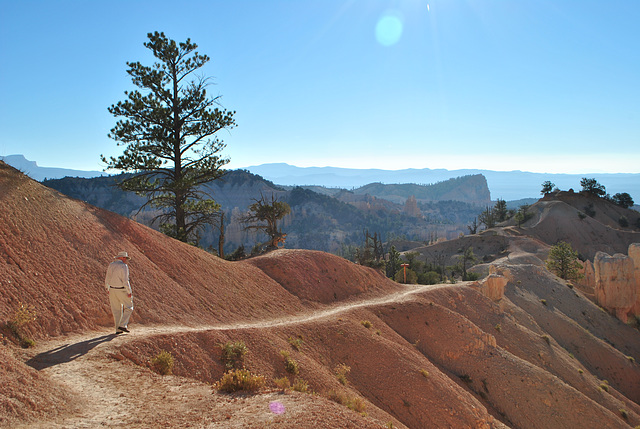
[(114, 393)]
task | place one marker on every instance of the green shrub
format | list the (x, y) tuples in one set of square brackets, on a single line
[(624, 413), (240, 380), (296, 343), (233, 354), (27, 343), (163, 363), (472, 277), (289, 364), (424, 373), (366, 324), (623, 221)]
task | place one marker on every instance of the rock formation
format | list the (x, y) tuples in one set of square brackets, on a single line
[(411, 207), (587, 283), (634, 255), (492, 286), (617, 285)]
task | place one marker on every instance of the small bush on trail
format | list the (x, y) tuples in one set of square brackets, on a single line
[(163, 363), (23, 315), (240, 380)]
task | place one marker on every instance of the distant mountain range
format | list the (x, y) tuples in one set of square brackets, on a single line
[(507, 185), (33, 170)]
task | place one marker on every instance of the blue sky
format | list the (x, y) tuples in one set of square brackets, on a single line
[(533, 85)]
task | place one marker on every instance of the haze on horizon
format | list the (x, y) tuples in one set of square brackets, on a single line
[(537, 86)]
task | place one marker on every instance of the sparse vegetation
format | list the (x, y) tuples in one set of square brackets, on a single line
[(341, 372), (22, 316), (296, 343), (282, 383), (623, 221), (233, 354), (366, 324), (354, 403), (290, 365), (624, 413), (466, 378), (589, 211), (240, 380), (546, 339), (163, 362), (498, 327), (300, 385), (424, 373), (543, 301)]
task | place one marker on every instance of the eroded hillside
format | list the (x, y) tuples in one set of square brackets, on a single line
[(537, 355)]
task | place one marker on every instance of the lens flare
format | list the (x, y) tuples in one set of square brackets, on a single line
[(276, 407), (389, 29)]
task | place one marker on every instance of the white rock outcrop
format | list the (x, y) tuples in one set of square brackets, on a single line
[(493, 286), (617, 282)]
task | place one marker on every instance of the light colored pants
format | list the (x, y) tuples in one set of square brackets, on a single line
[(121, 306)]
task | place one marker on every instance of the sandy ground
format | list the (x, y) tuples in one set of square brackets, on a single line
[(115, 393)]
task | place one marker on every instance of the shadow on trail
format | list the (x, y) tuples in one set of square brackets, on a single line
[(66, 353)]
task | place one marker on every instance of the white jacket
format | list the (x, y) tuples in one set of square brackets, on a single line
[(117, 276)]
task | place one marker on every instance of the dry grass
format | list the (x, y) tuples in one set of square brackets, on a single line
[(240, 380)]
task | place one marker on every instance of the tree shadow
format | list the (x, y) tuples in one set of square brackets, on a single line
[(66, 353)]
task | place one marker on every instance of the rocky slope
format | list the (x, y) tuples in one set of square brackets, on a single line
[(526, 351)]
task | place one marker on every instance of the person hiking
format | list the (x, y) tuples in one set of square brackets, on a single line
[(119, 289)]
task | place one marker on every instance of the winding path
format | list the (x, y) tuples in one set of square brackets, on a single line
[(114, 393)]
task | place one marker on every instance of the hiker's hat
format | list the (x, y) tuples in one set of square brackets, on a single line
[(122, 254)]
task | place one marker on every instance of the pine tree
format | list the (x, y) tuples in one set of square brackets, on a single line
[(169, 134)]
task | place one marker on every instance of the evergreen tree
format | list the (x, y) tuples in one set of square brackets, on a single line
[(500, 210), (169, 134), (592, 187), (270, 213), (393, 265), (563, 261), (623, 200), (547, 187)]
